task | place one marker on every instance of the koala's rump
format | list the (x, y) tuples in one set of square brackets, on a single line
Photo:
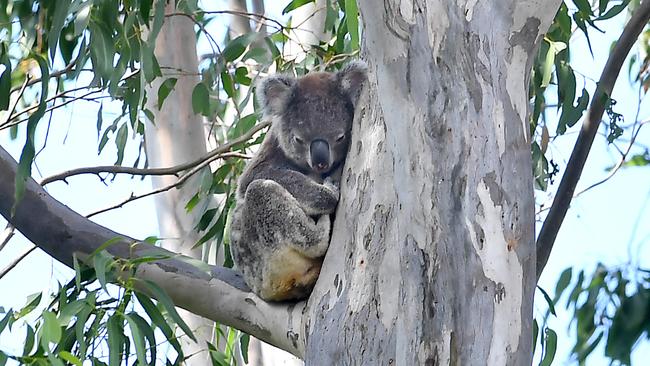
[(291, 275)]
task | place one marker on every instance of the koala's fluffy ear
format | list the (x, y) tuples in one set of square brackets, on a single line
[(352, 77), (273, 92)]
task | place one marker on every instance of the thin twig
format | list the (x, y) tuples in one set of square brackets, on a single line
[(53, 74), (15, 104), (176, 184), (173, 170), (7, 234), (576, 163), (198, 165), (15, 262)]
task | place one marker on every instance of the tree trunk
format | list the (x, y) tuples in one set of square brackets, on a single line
[(432, 258), (177, 137)]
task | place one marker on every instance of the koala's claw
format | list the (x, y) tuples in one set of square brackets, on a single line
[(332, 185)]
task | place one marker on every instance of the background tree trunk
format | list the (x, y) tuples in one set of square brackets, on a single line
[(177, 136), (432, 256)]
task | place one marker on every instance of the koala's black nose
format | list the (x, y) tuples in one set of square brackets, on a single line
[(320, 155)]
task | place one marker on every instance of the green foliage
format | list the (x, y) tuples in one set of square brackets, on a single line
[(84, 318), (553, 71), (610, 306)]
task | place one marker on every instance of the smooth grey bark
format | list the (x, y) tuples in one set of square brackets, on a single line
[(177, 136), (432, 258)]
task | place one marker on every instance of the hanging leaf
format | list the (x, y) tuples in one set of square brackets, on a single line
[(27, 156), (61, 11), (295, 4), (164, 90)]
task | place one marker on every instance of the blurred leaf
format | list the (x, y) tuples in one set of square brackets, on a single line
[(149, 63), (243, 345), (614, 11), (551, 306), (138, 339), (352, 18), (228, 85), (50, 331), (295, 4), (562, 283), (550, 347), (5, 320), (165, 88), (27, 156), (61, 10), (70, 358), (169, 306), (120, 143), (32, 302), (159, 321), (201, 99), (5, 78), (535, 332), (570, 114), (116, 339)]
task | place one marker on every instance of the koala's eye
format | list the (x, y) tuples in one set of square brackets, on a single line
[(297, 139), (340, 138)]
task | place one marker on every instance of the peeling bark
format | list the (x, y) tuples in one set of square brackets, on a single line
[(432, 254)]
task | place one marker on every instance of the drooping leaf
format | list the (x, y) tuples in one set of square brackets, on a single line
[(352, 18), (165, 88), (50, 331), (61, 10), (295, 4), (120, 143), (549, 302), (116, 339), (5, 77), (201, 99), (27, 156), (169, 306), (550, 347)]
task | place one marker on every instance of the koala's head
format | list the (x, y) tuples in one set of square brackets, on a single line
[(312, 115)]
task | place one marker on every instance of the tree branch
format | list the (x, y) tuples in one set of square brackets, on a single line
[(576, 163), (218, 294), (15, 262)]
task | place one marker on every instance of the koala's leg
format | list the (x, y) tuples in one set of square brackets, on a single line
[(280, 220)]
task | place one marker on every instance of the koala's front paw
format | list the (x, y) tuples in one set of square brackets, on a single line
[(333, 185)]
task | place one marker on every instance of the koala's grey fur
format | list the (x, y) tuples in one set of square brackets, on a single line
[(281, 225)]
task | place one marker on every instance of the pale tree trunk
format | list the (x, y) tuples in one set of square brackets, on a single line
[(177, 137), (432, 260), (308, 22)]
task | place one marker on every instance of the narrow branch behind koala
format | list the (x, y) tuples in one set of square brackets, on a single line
[(580, 152)]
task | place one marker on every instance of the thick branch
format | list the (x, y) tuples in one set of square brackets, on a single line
[(576, 163), (220, 295)]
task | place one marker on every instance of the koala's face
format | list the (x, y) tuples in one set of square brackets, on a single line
[(313, 114)]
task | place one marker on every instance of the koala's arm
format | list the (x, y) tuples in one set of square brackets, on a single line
[(314, 198)]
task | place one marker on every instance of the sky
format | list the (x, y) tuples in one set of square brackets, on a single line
[(608, 224)]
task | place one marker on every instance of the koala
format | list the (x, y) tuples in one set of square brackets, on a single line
[(280, 227)]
